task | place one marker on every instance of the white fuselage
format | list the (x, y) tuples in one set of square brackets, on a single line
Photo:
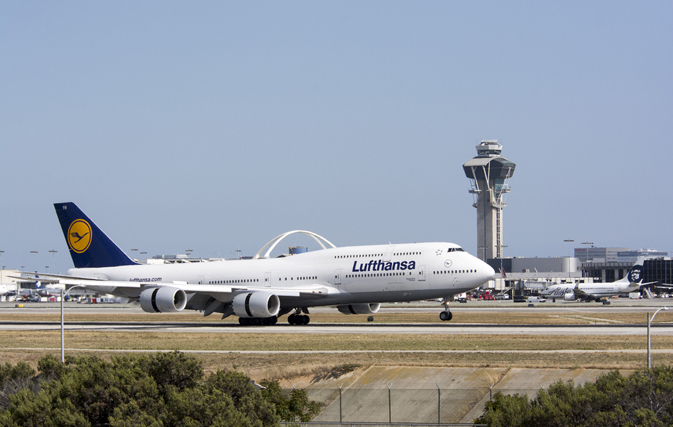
[(558, 291), (608, 289), (593, 290), (382, 273)]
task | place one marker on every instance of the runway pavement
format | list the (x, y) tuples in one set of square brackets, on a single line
[(616, 305), (353, 328), (443, 328)]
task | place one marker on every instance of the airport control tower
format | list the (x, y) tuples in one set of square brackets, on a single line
[(489, 175)]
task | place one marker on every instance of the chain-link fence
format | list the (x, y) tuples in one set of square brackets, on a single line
[(392, 406), (352, 424)]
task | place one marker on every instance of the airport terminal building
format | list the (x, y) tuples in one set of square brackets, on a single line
[(608, 265)]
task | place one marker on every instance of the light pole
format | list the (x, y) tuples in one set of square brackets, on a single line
[(390, 405), (18, 285), (589, 244), (570, 246), (34, 261), (63, 294), (53, 259), (649, 320)]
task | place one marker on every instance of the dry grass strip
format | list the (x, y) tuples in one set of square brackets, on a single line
[(320, 342), (291, 367)]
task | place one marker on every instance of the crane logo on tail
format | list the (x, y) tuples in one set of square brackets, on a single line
[(79, 236)]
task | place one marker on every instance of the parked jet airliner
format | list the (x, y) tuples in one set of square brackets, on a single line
[(355, 279), (571, 292)]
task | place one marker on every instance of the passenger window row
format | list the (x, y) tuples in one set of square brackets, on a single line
[(377, 255), (351, 276), (227, 282), (454, 271), (358, 256)]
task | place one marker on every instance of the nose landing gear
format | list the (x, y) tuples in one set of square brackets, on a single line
[(446, 315)]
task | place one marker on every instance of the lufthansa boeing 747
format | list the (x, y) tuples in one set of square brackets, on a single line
[(356, 279)]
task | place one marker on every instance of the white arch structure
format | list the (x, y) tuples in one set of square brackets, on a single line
[(272, 244)]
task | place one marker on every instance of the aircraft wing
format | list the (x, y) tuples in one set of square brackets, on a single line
[(41, 276), (223, 293), (580, 293)]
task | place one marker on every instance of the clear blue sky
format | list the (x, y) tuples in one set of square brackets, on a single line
[(218, 125)]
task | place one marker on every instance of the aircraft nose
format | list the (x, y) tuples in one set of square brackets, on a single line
[(487, 272)]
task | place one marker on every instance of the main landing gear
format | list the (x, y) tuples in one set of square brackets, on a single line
[(297, 318), (446, 315), (256, 321)]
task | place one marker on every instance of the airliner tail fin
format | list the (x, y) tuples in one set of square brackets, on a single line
[(88, 245)]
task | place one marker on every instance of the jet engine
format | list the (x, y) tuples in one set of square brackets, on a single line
[(359, 308), (570, 296), (164, 299), (256, 304)]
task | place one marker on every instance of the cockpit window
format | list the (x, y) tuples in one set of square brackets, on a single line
[(458, 249)]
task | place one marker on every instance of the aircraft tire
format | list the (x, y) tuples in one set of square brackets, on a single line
[(270, 320), (298, 319), (445, 316), (243, 321)]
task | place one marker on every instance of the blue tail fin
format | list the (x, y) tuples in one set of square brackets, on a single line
[(89, 246)]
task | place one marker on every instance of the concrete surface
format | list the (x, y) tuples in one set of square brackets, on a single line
[(413, 394)]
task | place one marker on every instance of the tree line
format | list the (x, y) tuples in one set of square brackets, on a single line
[(171, 389), (644, 398), (159, 389)]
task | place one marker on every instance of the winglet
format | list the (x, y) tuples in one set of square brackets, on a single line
[(88, 245)]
